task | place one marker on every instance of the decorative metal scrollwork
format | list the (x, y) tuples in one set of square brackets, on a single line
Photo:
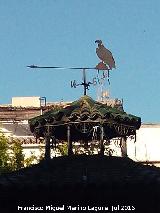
[(74, 117), (84, 127), (95, 131), (48, 130), (94, 116), (120, 129), (131, 137), (100, 78), (117, 142), (84, 116)]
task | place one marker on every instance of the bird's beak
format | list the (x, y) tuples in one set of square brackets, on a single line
[(98, 41)]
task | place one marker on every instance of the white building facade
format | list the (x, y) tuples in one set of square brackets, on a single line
[(147, 145), (144, 148)]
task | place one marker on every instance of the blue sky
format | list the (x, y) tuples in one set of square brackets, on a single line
[(62, 33)]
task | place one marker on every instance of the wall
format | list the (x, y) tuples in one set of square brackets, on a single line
[(147, 145)]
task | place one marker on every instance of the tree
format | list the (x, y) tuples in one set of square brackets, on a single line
[(4, 155), (30, 160), (62, 149), (11, 155), (17, 156)]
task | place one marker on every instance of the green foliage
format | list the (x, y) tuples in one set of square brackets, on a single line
[(42, 153), (30, 160), (62, 149), (16, 156), (4, 155), (12, 157)]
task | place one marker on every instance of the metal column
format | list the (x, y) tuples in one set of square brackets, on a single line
[(70, 152), (47, 148), (101, 141), (124, 146), (47, 144)]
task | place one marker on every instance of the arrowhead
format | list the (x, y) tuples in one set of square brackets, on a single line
[(32, 66)]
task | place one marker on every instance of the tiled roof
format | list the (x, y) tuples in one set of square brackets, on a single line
[(17, 129), (87, 110)]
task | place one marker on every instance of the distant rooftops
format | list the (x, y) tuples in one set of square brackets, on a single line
[(32, 102), (38, 102), (26, 101)]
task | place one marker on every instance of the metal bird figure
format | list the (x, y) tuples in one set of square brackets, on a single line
[(105, 55)]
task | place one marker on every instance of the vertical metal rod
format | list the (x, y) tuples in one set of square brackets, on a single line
[(124, 147), (69, 140), (47, 146), (45, 102), (84, 82), (135, 137), (101, 141)]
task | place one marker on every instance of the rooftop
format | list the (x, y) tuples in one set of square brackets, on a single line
[(82, 112)]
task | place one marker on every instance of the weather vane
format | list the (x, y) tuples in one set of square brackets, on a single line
[(106, 64)]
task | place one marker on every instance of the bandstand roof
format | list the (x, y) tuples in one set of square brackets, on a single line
[(82, 115)]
